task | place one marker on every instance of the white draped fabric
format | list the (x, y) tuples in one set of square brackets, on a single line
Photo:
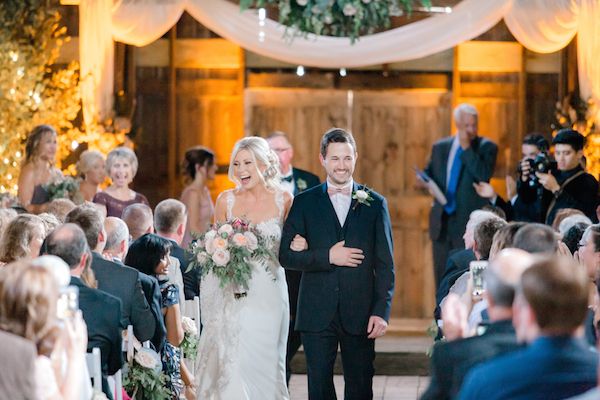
[(96, 59), (540, 25)]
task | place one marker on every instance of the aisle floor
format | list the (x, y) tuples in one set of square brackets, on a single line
[(384, 387)]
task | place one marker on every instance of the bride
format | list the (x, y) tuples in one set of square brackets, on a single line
[(243, 342)]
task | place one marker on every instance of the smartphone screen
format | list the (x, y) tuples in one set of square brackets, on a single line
[(68, 302), (477, 269)]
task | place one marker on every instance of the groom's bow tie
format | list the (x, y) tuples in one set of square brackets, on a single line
[(331, 190), (289, 178)]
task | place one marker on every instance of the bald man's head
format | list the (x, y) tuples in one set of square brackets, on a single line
[(504, 273), (116, 233)]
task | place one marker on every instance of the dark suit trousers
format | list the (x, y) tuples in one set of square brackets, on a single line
[(358, 354), (451, 237), (293, 344)]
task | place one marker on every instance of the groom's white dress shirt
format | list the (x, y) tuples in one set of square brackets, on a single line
[(341, 202)]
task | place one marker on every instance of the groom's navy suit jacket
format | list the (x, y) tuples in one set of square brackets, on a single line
[(357, 292)]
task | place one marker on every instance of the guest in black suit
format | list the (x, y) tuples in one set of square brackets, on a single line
[(344, 249), (170, 219), (295, 181), (456, 163), (120, 281), (117, 244), (138, 218), (452, 360), (550, 307), (101, 311)]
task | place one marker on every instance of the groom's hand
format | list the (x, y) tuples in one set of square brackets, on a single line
[(345, 256), (376, 327)]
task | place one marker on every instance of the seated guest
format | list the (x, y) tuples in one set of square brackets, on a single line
[(92, 172), (139, 220), (573, 236), (20, 354), (170, 220), (570, 221), (6, 215), (50, 222), (550, 307), (536, 238), (22, 238), (121, 166), (504, 237), (60, 208), (118, 280), (101, 311), (117, 244), (38, 169), (150, 255), (458, 262), (28, 297), (452, 360), (566, 213)]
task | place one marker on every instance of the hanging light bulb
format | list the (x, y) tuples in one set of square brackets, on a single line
[(343, 72), (262, 16), (300, 70)]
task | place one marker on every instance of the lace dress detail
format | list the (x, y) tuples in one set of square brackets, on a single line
[(243, 343)]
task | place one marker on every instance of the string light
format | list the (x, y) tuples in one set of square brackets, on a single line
[(262, 16), (343, 72), (300, 70)]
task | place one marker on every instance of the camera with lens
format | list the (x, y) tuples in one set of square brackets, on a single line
[(541, 163)]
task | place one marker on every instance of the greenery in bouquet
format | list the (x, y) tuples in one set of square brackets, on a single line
[(343, 18), (189, 345), (226, 250), (144, 378), (64, 188)]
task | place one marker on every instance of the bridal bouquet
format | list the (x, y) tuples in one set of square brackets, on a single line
[(189, 345), (226, 250)]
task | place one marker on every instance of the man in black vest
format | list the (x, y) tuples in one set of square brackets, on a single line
[(295, 181)]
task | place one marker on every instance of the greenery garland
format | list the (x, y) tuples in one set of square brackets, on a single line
[(343, 18)]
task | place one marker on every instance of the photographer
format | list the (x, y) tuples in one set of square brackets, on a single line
[(564, 185)]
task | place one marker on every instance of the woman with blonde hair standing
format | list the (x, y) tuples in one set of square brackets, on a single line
[(200, 167), (91, 170), (243, 343), (121, 166), (38, 169)]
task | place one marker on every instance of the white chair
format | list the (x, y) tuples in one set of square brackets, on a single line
[(115, 383), (94, 365), (128, 343)]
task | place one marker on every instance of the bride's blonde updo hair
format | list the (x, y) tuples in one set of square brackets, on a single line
[(262, 154)]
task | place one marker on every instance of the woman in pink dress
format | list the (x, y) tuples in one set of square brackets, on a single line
[(199, 166), (121, 166)]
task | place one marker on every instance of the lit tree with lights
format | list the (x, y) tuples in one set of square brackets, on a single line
[(34, 90)]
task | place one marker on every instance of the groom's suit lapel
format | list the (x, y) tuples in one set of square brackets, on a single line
[(331, 221)]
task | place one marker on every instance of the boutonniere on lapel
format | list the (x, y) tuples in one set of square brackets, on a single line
[(362, 196), (301, 184)]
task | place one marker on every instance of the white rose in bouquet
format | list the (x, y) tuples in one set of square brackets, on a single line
[(226, 229), (202, 257), (189, 326), (252, 240), (148, 358), (210, 234), (220, 243), (210, 246), (239, 240), (221, 257)]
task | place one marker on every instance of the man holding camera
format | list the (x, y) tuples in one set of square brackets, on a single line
[(546, 188)]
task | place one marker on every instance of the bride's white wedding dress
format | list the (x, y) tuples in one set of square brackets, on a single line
[(242, 347)]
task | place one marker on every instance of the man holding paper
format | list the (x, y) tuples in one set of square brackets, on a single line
[(456, 163)]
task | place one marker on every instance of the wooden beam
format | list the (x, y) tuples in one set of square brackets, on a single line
[(172, 132)]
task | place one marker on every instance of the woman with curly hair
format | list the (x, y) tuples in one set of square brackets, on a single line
[(22, 238)]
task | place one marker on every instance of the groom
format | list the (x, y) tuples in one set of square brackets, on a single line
[(342, 242)]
